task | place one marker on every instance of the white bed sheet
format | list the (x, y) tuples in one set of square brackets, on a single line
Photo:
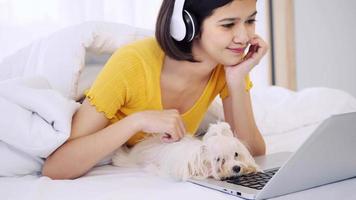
[(109, 182)]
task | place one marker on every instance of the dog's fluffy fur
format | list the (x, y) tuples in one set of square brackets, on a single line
[(218, 155)]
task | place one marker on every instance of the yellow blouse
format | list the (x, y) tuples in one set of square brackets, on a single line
[(130, 82)]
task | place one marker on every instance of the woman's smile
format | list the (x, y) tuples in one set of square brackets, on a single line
[(237, 50)]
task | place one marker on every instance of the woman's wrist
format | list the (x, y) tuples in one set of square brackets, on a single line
[(238, 84), (136, 120)]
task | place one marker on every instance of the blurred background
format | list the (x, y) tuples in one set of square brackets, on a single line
[(312, 41)]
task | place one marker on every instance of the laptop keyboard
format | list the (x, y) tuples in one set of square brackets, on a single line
[(255, 180)]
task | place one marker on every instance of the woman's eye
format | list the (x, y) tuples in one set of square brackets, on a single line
[(251, 21), (228, 25), (236, 154)]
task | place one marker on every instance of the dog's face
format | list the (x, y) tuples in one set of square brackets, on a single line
[(227, 156)]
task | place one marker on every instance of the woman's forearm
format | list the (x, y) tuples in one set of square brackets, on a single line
[(243, 120), (77, 156)]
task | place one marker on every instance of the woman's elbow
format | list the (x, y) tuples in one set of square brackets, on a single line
[(56, 172), (260, 150)]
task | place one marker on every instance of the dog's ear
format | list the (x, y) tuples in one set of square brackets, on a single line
[(220, 128), (199, 165)]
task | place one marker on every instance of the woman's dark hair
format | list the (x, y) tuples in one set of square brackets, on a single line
[(201, 9)]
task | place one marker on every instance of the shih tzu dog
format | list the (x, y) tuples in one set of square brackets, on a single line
[(218, 154)]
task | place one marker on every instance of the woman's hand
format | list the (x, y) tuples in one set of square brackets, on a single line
[(236, 73), (167, 122)]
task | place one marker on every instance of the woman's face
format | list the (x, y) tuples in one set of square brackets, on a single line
[(226, 33)]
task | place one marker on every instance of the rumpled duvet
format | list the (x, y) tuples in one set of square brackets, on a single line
[(38, 89), (34, 121)]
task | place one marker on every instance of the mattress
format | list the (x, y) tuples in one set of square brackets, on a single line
[(110, 182)]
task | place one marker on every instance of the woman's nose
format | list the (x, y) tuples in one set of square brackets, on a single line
[(241, 35)]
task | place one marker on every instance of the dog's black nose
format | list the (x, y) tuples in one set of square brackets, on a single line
[(236, 168)]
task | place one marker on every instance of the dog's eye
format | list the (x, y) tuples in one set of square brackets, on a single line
[(236, 154), (218, 159)]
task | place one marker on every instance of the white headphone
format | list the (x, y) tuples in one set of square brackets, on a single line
[(183, 24)]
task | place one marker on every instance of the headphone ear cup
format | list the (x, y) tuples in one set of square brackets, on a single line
[(191, 26)]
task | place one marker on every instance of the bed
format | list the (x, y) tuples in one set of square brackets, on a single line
[(110, 182), (284, 117)]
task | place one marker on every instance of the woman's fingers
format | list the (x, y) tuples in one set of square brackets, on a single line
[(256, 56), (178, 124), (176, 128), (167, 122), (181, 127)]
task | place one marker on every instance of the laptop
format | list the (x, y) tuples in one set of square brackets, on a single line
[(326, 156)]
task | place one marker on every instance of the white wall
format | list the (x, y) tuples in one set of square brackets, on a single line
[(326, 44)]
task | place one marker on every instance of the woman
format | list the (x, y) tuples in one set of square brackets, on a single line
[(162, 85)]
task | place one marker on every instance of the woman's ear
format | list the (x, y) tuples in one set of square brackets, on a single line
[(198, 36)]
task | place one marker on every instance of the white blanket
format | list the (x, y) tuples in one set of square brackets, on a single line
[(37, 85), (34, 121)]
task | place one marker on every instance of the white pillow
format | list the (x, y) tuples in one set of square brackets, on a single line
[(278, 110)]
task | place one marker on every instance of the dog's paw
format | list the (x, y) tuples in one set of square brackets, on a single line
[(252, 169)]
